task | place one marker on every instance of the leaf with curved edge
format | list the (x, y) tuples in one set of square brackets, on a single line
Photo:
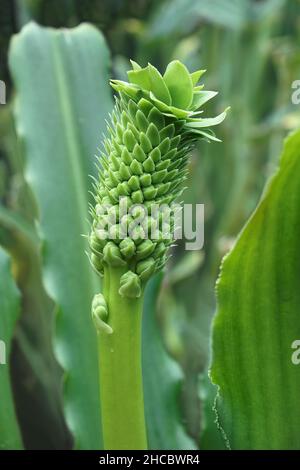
[(195, 76), (201, 97), (211, 438), (140, 78), (162, 381), (158, 85), (63, 98), (177, 78), (258, 319), (207, 122), (10, 437)]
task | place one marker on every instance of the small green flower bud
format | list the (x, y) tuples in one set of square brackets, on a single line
[(149, 165), (136, 168), (155, 155), (137, 234), (113, 178), (126, 157), (130, 285), (163, 165), (134, 131), (129, 140), (141, 121), (153, 135), (94, 242), (116, 233), (157, 118), (150, 192), (113, 195), (145, 249), (138, 212), (137, 197), (159, 176), (134, 183), (112, 255), (126, 221), (127, 248), (167, 131), (170, 154), (100, 314), (124, 172), (145, 269), (113, 214), (97, 262), (145, 180), (138, 153), (120, 131), (123, 189), (164, 146), (145, 142), (159, 251), (102, 235)]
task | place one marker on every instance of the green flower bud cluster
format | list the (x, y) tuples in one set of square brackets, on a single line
[(153, 126)]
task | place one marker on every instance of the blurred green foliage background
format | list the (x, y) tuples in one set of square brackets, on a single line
[(251, 50)]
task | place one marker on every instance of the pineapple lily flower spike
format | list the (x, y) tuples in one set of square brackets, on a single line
[(154, 124)]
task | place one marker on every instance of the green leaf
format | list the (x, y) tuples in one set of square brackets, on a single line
[(140, 77), (169, 110), (135, 65), (201, 97), (162, 383), (207, 122), (180, 85), (211, 436), (63, 98), (195, 76), (258, 319), (10, 437), (158, 86)]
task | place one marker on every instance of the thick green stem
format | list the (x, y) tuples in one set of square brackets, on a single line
[(122, 402)]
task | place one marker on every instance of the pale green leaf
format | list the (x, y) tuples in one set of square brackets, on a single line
[(158, 86), (179, 83), (140, 77), (195, 76), (206, 122), (202, 97)]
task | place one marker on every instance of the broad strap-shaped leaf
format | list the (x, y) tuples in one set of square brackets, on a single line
[(10, 437), (258, 319), (61, 78), (162, 379)]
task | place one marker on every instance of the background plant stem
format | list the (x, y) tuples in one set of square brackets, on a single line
[(122, 401)]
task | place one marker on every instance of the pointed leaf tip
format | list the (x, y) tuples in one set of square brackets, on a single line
[(135, 65), (195, 76)]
